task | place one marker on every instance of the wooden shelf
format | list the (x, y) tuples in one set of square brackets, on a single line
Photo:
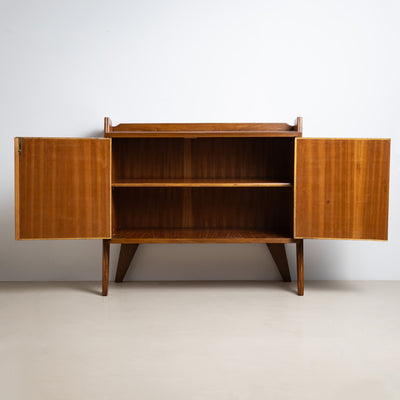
[(199, 182), (180, 235)]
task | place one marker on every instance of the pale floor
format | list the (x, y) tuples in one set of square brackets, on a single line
[(204, 340)]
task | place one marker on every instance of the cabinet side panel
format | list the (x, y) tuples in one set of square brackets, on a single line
[(16, 186), (64, 188), (342, 188)]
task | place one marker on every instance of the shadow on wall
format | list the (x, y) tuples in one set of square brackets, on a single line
[(93, 134), (323, 260)]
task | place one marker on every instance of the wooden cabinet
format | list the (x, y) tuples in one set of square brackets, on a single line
[(202, 183)]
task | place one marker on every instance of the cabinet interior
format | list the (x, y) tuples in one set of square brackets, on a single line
[(203, 158), (204, 188)]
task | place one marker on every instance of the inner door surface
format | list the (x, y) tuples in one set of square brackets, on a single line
[(341, 188), (62, 188)]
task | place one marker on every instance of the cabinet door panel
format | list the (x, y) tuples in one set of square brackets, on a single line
[(62, 188), (341, 188)]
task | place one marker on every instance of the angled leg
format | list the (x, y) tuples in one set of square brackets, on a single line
[(279, 255), (125, 257), (106, 263), (300, 267)]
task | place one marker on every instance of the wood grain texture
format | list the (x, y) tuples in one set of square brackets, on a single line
[(180, 235), (107, 125), (196, 134), (203, 127), (126, 254), (141, 208), (300, 267), (63, 188), (299, 125), (229, 159), (106, 266), (199, 130), (267, 209), (278, 253), (148, 158), (16, 188), (187, 209), (245, 158), (342, 188), (200, 182)]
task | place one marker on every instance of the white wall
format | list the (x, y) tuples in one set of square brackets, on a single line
[(66, 64)]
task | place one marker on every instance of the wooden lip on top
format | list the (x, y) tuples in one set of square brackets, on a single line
[(198, 130)]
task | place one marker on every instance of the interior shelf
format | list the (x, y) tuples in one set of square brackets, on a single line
[(200, 182), (181, 235), (202, 214)]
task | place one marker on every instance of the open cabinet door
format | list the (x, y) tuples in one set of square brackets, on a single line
[(62, 188), (341, 188)]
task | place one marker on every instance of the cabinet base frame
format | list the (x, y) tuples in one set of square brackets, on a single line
[(128, 251), (278, 253), (126, 254)]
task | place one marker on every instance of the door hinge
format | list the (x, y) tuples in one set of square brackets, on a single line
[(19, 146)]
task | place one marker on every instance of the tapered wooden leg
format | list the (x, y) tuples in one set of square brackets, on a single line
[(300, 268), (278, 253), (125, 257), (106, 263)]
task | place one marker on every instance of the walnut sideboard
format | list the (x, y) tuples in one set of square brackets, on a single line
[(201, 183)]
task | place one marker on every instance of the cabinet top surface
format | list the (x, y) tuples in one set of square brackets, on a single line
[(202, 130)]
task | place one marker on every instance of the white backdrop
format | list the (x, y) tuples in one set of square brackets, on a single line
[(66, 64)]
